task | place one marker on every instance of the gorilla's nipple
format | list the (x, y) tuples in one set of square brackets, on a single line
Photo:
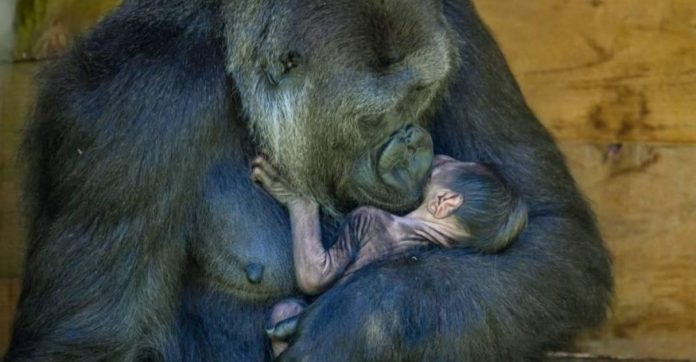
[(254, 272)]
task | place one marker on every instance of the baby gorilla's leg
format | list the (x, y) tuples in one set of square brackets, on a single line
[(283, 323)]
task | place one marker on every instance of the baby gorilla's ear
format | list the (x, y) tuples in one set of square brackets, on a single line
[(444, 202)]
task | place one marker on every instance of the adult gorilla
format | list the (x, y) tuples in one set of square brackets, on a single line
[(148, 239)]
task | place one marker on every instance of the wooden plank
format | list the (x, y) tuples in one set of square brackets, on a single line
[(645, 201), (7, 9), (45, 28), (16, 88), (603, 70), (588, 357), (9, 293)]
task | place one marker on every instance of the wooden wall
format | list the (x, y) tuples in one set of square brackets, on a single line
[(614, 80)]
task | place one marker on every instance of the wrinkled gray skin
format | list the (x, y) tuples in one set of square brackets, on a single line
[(148, 239)]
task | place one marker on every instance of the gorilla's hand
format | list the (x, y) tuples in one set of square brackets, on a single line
[(452, 305)]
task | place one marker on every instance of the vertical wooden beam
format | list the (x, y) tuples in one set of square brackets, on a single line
[(44, 28)]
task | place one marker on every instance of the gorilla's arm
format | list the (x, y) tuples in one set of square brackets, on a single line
[(117, 146), (453, 305)]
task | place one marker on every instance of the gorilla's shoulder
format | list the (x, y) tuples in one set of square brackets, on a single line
[(180, 36), (158, 67)]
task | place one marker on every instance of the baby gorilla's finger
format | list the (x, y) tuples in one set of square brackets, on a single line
[(270, 169), (254, 175), (260, 176), (259, 158), (267, 168), (257, 162), (272, 175), (262, 162)]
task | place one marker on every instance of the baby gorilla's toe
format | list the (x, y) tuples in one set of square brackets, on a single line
[(283, 330), (284, 318), (283, 323)]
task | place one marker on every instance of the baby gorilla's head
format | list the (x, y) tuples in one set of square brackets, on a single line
[(477, 200)]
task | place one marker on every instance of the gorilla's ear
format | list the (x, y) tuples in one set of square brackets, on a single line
[(444, 203)]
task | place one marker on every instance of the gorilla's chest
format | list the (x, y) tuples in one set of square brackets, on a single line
[(259, 266)]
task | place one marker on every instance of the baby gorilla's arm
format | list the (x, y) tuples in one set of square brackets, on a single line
[(315, 268)]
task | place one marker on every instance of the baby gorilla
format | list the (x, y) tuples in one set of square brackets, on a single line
[(465, 205)]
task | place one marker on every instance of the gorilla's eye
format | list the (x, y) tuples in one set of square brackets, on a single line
[(390, 58), (290, 61), (275, 71)]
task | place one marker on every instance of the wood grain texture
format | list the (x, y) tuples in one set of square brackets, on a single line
[(16, 95), (645, 200), (9, 292), (603, 70), (45, 28), (589, 357)]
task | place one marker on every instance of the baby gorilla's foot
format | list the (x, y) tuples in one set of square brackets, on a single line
[(283, 323)]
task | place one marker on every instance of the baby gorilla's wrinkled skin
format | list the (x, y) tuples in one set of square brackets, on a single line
[(369, 234)]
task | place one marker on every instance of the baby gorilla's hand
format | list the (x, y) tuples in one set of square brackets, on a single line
[(272, 181)]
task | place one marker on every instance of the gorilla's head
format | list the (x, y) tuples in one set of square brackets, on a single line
[(325, 83)]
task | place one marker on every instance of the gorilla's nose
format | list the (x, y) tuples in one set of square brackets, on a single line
[(254, 272)]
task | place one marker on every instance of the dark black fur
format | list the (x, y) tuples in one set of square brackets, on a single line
[(143, 218)]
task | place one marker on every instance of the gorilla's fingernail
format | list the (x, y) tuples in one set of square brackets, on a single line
[(254, 272)]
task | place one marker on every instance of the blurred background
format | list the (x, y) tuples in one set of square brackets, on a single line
[(614, 81)]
